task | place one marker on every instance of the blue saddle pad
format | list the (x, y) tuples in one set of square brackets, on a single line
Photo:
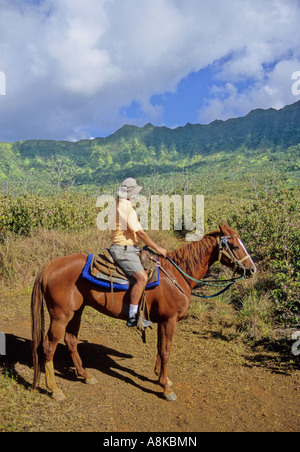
[(106, 284)]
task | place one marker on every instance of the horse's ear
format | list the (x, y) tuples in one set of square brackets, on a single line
[(224, 228)]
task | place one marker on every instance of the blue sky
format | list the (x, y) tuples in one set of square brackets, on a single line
[(79, 69), (182, 106)]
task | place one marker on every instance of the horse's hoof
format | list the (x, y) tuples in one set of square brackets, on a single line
[(91, 381), (171, 397), (58, 396)]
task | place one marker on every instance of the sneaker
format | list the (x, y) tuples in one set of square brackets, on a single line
[(133, 321)]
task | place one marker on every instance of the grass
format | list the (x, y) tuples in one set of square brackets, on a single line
[(24, 410), (21, 257), (255, 315), (247, 310)]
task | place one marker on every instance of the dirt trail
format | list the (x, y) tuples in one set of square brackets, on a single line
[(221, 383)]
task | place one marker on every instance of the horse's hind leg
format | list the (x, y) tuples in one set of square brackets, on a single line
[(55, 333), (71, 342)]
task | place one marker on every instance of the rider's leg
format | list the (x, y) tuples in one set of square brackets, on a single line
[(140, 281)]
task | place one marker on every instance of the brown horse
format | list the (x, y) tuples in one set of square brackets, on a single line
[(66, 294)]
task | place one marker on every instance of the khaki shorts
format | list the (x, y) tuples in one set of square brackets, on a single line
[(128, 258)]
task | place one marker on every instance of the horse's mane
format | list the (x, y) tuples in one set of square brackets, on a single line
[(190, 256)]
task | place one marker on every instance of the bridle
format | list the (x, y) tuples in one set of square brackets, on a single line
[(227, 251), (224, 249)]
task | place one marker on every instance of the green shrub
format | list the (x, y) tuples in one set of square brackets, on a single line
[(26, 214), (270, 228)]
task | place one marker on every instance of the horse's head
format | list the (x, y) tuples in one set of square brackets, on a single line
[(233, 254)]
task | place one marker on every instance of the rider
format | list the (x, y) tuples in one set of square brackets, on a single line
[(126, 230)]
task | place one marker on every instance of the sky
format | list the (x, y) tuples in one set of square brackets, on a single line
[(80, 69)]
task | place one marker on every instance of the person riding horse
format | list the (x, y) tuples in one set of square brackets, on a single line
[(126, 230), (60, 286)]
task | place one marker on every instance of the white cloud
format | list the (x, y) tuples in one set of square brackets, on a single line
[(269, 56), (274, 90), (71, 65)]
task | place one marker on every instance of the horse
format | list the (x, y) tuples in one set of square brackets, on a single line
[(61, 287)]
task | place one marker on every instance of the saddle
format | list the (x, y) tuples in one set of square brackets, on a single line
[(104, 268)]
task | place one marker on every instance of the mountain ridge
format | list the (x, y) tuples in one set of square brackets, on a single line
[(138, 151), (188, 124)]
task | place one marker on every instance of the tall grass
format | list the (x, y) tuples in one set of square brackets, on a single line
[(21, 257), (34, 230)]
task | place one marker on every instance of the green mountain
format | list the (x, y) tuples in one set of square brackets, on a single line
[(263, 146)]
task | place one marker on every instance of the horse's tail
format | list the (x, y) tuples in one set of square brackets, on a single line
[(37, 326)]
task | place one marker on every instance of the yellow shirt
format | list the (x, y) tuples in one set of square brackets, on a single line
[(124, 224)]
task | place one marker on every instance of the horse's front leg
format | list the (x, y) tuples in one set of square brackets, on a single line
[(157, 367), (166, 332), (158, 359)]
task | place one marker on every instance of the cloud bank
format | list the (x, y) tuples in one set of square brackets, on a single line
[(71, 66)]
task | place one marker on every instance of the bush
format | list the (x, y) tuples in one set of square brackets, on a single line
[(26, 214), (271, 230)]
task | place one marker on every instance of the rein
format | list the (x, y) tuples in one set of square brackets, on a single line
[(217, 282)]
